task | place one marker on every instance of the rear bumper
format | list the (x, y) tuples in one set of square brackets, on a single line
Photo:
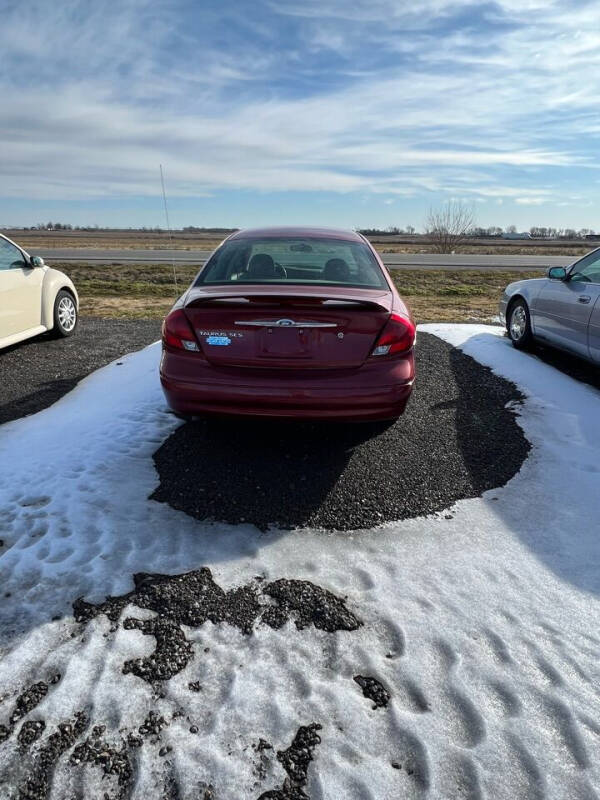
[(376, 391)]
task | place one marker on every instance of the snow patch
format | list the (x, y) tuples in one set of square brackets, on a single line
[(481, 624)]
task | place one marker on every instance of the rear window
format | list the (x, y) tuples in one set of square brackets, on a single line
[(300, 261)]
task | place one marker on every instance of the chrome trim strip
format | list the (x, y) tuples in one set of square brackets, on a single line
[(273, 323)]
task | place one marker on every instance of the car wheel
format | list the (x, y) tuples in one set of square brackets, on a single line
[(519, 325), (65, 314)]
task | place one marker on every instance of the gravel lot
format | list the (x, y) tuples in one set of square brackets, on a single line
[(36, 373), (456, 440)]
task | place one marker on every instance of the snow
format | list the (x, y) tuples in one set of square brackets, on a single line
[(482, 622)]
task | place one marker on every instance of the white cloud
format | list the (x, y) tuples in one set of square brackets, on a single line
[(469, 111), (531, 201)]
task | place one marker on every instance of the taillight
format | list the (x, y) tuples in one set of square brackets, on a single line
[(177, 332), (398, 336)]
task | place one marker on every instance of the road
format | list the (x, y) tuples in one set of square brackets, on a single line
[(391, 260)]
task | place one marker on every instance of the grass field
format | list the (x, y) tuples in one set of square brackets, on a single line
[(148, 291)]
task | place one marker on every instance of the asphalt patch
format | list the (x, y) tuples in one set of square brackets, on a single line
[(456, 440), (111, 760), (30, 732), (263, 760), (373, 690), (195, 598), (153, 725), (117, 761), (33, 772), (36, 785), (296, 761), (309, 605), (37, 372), (172, 654), (29, 698)]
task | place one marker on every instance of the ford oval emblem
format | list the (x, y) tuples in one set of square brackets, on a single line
[(285, 323)]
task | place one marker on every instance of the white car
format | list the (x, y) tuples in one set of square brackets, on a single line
[(33, 297)]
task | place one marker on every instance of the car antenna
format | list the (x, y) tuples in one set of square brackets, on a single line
[(164, 194)]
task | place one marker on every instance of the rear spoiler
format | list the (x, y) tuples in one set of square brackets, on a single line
[(325, 300)]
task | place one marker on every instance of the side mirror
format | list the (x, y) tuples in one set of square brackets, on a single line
[(37, 261), (557, 274)]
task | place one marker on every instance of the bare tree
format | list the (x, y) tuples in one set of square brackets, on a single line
[(447, 227)]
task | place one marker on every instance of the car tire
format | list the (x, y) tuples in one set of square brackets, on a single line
[(66, 316), (518, 325)]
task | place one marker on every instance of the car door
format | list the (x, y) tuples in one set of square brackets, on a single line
[(20, 291), (563, 309), (594, 333)]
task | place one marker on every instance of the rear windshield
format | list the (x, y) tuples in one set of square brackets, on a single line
[(299, 261)]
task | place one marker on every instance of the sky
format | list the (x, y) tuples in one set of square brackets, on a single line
[(360, 114)]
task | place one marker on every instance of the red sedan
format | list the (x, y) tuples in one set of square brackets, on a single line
[(290, 322)]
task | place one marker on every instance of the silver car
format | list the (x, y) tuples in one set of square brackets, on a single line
[(562, 309)]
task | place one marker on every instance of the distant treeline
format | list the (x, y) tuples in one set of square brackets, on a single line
[(62, 226), (535, 232)]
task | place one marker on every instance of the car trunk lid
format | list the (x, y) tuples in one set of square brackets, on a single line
[(314, 327)]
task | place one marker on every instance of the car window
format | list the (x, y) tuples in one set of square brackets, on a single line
[(10, 256), (294, 260), (587, 270)]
